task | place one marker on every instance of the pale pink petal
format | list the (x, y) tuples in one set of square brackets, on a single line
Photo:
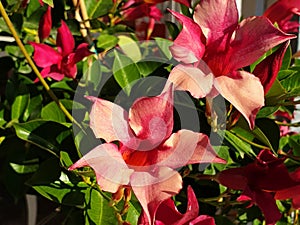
[(188, 46), (194, 80), (44, 55), (109, 166), (246, 47), (217, 19), (65, 39), (268, 69), (151, 118), (244, 92), (109, 121), (186, 147), (152, 189)]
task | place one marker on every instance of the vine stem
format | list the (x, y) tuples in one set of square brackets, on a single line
[(33, 66)]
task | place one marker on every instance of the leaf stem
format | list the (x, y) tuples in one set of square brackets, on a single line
[(33, 66)]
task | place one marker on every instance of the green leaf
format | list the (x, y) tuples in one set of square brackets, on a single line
[(42, 133), (97, 209), (134, 212), (292, 83), (98, 8), (48, 172), (107, 41), (29, 166), (173, 29), (125, 71), (286, 62), (147, 67), (49, 2), (164, 46), (64, 193), (267, 131), (274, 95), (20, 103), (65, 159), (241, 146), (130, 48), (53, 112)]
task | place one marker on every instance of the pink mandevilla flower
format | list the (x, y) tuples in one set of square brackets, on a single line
[(213, 48), (148, 153), (134, 9), (259, 181), (60, 63), (167, 213), (282, 12)]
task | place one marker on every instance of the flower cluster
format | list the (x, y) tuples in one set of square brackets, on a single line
[(128, 155)]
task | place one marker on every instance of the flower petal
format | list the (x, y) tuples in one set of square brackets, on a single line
[(203, 220), (217, 19), (194, 80), (167, 212), (234, 178), (65, 39), (109, 166), (44, 55), (266, 202), (45, 25), (151, 118), (186, 147), (109, 121), (152, 189), (188, 46), (80, 53), (246, 47), (268, 69), (244, 92)]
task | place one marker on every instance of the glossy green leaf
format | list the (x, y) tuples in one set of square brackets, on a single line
[(130, 48), (241, 146), (65, 159), (64, 193), (20, 103), (173, 29), (164, 46), (98, 8), (53, 112), (97, 209), (286, 62), (48, 172), (49, 2), (147, 67), (42, 133), (267, 131), (28, 166), (125, 71), (107, 41)]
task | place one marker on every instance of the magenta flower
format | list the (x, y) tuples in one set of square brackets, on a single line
[(214, 47), (292, 192), (282, 12), (148, 153), (45, 25), (259, 181), (167, 213), (61, 62)]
